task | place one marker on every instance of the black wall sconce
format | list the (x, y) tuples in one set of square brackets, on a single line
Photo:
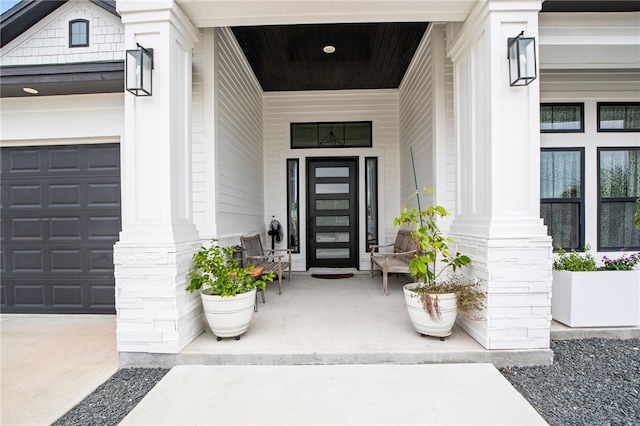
[(522, 60), (138, 66)]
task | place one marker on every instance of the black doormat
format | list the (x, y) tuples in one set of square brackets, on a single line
[(331, 276)]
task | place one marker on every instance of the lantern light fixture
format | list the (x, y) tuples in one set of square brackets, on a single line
[(521, 53), (138, 68)]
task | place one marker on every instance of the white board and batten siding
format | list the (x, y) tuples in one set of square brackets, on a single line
[(228, 156)]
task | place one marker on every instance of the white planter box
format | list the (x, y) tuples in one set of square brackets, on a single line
[(596, 299)]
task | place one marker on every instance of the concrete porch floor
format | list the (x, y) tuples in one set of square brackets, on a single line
[(335, 321)]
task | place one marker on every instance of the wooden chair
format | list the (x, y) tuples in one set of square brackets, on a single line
[(397, 262), (254, 254)]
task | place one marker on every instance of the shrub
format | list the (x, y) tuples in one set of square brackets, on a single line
[(575, 262), (215, 269)]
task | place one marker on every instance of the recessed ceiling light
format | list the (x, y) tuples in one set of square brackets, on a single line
[(328, 49), (30, 90)]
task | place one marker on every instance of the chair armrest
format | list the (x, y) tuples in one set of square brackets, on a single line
[(285, 250), (375, 246), (406, 253), (249, 258), (272, 253)]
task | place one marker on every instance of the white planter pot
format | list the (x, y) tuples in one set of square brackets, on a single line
[(596, 299), (421, 320), (229, 316)]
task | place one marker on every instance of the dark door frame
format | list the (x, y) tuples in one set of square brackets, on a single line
[(353, 212)]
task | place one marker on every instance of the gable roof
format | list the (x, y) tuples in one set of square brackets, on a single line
[(27, 13)]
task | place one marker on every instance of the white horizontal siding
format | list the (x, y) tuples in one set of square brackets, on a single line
[(416, 123), (590, 84), (238, 140), (426, 123), (378, 106), (62, 119), (228, 200), (47, 42)]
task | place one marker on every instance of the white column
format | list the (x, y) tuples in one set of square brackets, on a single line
[(158, 238), (498, 203)]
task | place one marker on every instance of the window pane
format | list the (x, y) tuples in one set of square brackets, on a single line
[(617, 228), (619, 183), (332, 172), (357, 134), (372, 201), (560, 174), (332, 221), (619, 173), (561, 117), (292, 201), (619, 116), (332, 237), (332, 204), (79, 33), (304, 135), (331, 134), (332, 253), (563, 224), (332, 188)]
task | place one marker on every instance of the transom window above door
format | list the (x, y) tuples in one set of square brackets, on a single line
[(351, 134)]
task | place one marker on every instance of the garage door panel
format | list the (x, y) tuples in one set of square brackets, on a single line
[(22, 161), (67, 295), (100, 261), (103, 194), (27, 260), (103, 227), (103, 159), (60, 222), (64, 160), (67, 261), (29, 294), (24, 229), (65, 229), (101, 297), (65, 195), (25, 196)]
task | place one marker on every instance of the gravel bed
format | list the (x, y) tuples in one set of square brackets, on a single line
[(591, 382), (114, 399)]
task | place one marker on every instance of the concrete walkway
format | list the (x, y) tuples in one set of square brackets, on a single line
[(454, 394), (51, 362)]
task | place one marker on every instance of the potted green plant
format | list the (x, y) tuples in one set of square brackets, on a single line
[(227, 290), (435, 300), (585, 295)]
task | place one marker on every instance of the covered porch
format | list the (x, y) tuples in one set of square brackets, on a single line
[(335, 321), (222, 163)]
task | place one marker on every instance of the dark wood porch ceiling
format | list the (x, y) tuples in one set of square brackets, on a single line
[(367, 56)]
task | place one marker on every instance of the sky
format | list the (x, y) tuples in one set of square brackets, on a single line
[(7, 4)]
